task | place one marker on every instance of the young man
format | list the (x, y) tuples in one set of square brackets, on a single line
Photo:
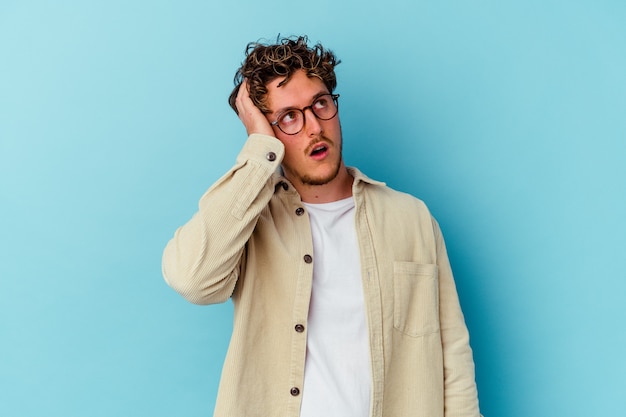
[(343, 296)]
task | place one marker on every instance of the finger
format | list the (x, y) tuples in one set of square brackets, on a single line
[(247, 108), (243, 100), (251, 117)]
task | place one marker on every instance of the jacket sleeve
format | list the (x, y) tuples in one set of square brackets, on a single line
[(460, 393), (203, 259)]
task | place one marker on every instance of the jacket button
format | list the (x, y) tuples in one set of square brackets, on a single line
[(308, 259), (295, 391), (299, 328), (299, 211), (271, 156)]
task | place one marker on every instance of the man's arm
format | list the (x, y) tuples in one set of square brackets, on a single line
[(202, 260), (460, 394)]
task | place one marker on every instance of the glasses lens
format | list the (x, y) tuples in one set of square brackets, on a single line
[(325, 107), (291, 122)]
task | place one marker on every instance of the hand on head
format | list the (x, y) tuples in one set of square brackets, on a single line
[(251, 117)]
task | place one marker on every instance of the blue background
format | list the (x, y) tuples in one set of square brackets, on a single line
[(508, 118)]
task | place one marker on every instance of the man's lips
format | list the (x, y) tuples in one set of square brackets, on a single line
[(319, 150)]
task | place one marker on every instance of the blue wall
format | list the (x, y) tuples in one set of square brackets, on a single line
[(507, 118)]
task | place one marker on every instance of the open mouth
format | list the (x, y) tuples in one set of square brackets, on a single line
[(319, 149)]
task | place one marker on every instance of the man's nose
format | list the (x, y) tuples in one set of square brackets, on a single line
[(312, 123)]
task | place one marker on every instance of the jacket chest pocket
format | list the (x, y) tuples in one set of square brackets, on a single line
[(416, 298)]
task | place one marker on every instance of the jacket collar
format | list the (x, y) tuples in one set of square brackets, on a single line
[(361, 177), (279, 180)]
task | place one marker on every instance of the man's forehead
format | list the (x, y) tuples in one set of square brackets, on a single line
[(298, 91)]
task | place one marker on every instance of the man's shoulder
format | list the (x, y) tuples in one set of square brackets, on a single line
[(398, 198), (382, 194)]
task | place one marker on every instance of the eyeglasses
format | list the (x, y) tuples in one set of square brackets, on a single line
[(291, 121)]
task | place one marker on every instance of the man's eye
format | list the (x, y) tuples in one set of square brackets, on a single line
[(321, 103), (289, 117)]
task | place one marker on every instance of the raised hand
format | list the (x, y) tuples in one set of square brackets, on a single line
[(251, 117)]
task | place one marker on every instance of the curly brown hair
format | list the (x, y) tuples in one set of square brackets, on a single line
[(266, 62)]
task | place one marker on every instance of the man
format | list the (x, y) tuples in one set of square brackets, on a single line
[(344, 300)]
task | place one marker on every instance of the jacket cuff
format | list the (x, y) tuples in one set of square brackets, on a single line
[(263, 149)]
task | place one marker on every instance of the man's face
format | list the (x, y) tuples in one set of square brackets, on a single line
[(312, 156)]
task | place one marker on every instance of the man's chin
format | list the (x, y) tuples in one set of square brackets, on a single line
[(321, 180), (316, 181)]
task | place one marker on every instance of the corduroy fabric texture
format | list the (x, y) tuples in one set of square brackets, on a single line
[(251, 241)]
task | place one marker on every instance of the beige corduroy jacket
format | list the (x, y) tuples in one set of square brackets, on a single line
[(251, 241)]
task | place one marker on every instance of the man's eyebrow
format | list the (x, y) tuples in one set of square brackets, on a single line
[(284, 109)]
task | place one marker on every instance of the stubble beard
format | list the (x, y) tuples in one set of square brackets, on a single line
[(308, 180), (316, 181)]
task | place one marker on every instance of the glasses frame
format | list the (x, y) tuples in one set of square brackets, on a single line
[(334, 97)]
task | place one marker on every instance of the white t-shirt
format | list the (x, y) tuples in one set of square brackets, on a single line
[(337, 376)]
